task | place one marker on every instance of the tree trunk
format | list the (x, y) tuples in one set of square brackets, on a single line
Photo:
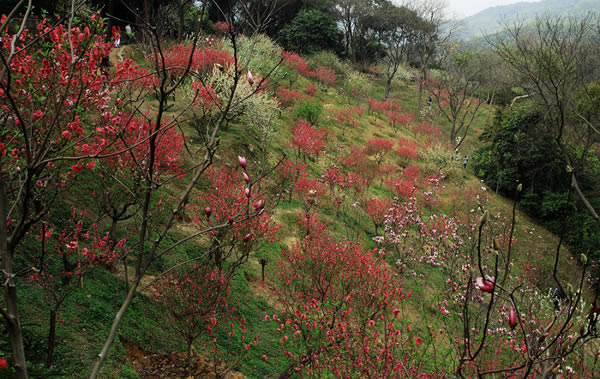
[(11, 313), (189, 359), (288, 372), (491, 104), (113, 229), (113, 329), (423, 76), (388, 88), (291, 369), (51, 339), (147, 34)]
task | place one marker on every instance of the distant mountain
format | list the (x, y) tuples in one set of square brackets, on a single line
[(491, 20)]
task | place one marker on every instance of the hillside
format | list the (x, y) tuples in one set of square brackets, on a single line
[(235, 210), (492, 20)]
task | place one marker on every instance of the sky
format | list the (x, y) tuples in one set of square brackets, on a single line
[(464, 8)]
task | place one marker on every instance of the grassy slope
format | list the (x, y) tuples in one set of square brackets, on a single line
[(91, 309)]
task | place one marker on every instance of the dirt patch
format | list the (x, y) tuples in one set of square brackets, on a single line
[(173, 365)]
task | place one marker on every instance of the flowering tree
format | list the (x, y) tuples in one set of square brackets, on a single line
[(62, 117), (345, 117), (195, 300), (66, 257), (307, 139), (383, 106), (337, 301), (287, 173), (430, 132), (378, 148), (50, 78), (456, 93), (296, 65), (288, 97), (377, 209), (397, 119), (245, 204), (119, 182), (324, 75), (407, 150), (235, 88)]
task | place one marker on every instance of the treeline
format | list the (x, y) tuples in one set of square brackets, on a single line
[(545, 134)]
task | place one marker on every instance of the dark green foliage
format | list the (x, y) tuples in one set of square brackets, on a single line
[(521, 150), (311, 31)]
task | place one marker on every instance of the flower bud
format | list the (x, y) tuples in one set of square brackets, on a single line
[(512, 317), (247, 192), (484, 285), (260, 204), (495, 245), (570, 290), (247, 237), (583, 259), (246, 177), (483, 219), (207, 211), (520, 187), (230, 219), (250, 78), (242, 161)]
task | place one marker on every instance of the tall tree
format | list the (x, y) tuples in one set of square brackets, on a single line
[(398, 29), (456, 91), (553, 61), (310, 31), (347, 12), (435, 29)]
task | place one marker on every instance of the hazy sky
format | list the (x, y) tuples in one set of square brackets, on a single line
[(464, 8)]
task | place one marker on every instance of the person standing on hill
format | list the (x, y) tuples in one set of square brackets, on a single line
[(465, 161)]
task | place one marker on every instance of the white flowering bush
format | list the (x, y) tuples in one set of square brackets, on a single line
[(440, 158), (257, 53)]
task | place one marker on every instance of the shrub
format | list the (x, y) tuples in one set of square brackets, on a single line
[(326, 59), (256, 53), (356, 85), (309, 110), (440, 158), (253, 106)]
